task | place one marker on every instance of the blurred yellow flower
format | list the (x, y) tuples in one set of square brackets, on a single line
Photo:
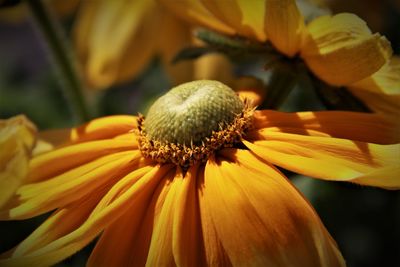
[(17, 140), (340, 50), (116, 40), (223, 204)]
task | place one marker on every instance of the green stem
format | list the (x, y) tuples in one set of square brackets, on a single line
[(279, 87), (62, 57)]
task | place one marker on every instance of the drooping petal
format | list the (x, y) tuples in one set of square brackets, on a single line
[(326, 157), (60, 223), (340, 124), (122, 235), (64, 158), (341, 50), (247, 19), (194, 12), (119, 201), (17, 140), (284, 25), (176, 36), (260, 218), (37, 198), (121, 21)]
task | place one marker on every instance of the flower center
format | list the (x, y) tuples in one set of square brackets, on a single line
[(191, 121)]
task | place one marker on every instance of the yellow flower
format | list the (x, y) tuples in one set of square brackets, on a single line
[(340, 50), (216, 200), (17, 140), (116, 39)]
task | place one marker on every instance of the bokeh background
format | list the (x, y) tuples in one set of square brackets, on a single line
[(365, 222)]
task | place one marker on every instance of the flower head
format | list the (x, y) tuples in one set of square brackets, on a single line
[(229, 207)]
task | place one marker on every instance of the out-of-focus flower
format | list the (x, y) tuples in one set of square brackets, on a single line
[(214, 200), (116, 40), (340, 50), (17, 140)]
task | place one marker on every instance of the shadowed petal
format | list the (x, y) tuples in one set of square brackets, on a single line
[(246, 19), (284, 25), (65, 158), (186, 245), (117, 202), (381, 91), (340, 124), (327, 158), (17, 140), (37, 198), (386, 80), (341, 50), (122, 21), (60, 223), (194, 12), (260, 218)]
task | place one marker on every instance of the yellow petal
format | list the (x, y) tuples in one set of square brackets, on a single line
[(284, 25), (213, 67), (326, 157), (260, 218), (340, 124), (341, 50), (64, 158), (17, 140), (381, 91), (124, 22), (125, 233), (60, 223), (37, 198), (385, 81), (175, 36), (385, 105), (194, 12), (105, 127), (250, 88), (124, 196), (186, 243), (247, 19)]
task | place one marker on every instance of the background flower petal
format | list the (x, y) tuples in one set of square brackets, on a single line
[(127, 25), (341, 50), (284, 25), (195, 12), (17, 140), (246, 19)]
